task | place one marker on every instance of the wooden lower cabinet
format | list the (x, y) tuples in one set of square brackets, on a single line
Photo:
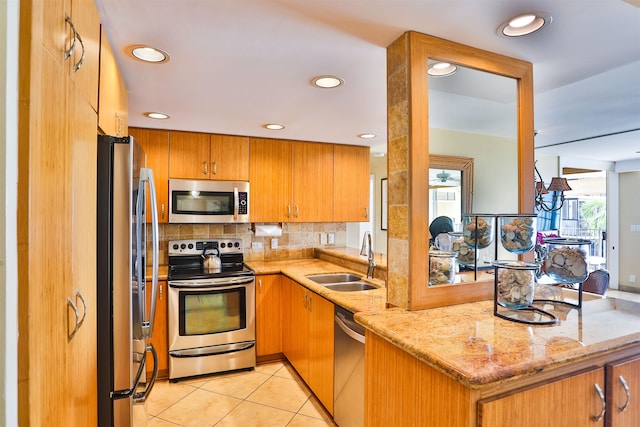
[(159, 338), (623, 393), (268, 315), (308, 338), (571, 401), (398, 386)]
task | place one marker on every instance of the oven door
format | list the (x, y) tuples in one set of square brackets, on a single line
[(211, 312)]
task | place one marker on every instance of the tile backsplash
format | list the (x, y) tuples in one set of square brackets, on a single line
[(297, 241)]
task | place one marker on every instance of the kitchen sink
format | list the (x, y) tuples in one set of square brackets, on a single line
[(350, 287), (332, 278), (342, 282)]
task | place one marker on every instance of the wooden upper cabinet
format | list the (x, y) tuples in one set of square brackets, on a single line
[(155, 144), (270, 176), (58, 38), (113, 98), (205, 156), (85, 60), (351, 183), (189, 155), (229, 158), (312, 182)]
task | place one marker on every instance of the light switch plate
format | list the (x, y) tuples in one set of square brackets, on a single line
[(332, 238), (256, 245)]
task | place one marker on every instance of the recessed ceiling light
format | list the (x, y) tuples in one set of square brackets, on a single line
[(524, 24), (149, 54), (441, 69), (367, 135), (157, 116), (327, 82), (274, 126)]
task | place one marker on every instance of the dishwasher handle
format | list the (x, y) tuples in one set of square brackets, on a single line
[(347, 330)]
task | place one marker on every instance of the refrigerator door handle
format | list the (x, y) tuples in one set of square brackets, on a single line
[(127, 393), (146, 175), (142, 396)]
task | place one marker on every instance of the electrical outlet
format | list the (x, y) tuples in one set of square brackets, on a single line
[(323, 238), (256, 245), (332, 238), (632, 278), (274, 243)]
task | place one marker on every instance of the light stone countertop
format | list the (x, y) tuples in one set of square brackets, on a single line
[(298, 269), (469, 343)]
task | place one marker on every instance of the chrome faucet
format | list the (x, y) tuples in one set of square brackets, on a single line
[(367, 250)]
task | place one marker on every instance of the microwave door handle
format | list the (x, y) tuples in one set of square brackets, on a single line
[(236, 201), (147, 175)]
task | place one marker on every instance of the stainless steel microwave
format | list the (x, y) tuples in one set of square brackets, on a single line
[(208, 202)]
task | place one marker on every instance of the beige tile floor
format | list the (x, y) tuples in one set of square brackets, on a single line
[(270, 395)]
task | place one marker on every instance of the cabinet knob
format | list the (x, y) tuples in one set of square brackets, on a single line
[(205, 168), (260, 284), (162, 210), (366, 213), (215, 168)]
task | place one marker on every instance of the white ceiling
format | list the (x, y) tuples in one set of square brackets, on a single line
[(238, 64)]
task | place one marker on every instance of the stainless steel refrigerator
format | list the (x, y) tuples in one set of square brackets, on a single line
[(125, 323)]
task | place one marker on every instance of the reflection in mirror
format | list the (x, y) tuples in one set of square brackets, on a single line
[(473, 113), (445, 195)]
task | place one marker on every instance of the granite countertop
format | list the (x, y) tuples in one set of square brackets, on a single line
[(298, 269), (469, 343)]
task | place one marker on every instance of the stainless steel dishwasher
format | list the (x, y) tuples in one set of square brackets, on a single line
[(348, 388)]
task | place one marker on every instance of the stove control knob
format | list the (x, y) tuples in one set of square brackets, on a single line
[(236, 244), (223, 245), (190, 245), (182, 246), (175, 246)]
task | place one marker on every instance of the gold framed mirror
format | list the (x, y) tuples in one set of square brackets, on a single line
[(409, 157)]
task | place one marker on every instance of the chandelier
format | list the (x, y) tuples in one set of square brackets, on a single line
[(557, 186)]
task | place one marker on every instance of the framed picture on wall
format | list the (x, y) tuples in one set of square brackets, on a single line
[(383, 204)]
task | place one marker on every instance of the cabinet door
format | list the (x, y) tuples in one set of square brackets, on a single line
[(189, 155), (351, 178), (268, 315), (160, 337), (320, 337), (270, 176), (229, 158), (84, 64), (296, 340), (81, 352), (113, 101), (572, 401), (312, 182), (623, 393), (155, 144)]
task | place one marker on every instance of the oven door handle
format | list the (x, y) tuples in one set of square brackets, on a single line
[(215, 283)]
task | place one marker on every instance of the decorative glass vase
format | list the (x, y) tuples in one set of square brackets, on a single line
[(517, 233), (477, 230), (515, 283), (442, 267), (566, 259)]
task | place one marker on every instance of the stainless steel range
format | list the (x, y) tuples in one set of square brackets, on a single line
[(211, 308)]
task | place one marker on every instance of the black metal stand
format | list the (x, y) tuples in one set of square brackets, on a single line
[(552, 318)]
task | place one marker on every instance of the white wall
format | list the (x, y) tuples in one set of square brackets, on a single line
[(8, 195)]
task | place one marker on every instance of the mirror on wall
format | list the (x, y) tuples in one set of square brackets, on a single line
[(473, 113)]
